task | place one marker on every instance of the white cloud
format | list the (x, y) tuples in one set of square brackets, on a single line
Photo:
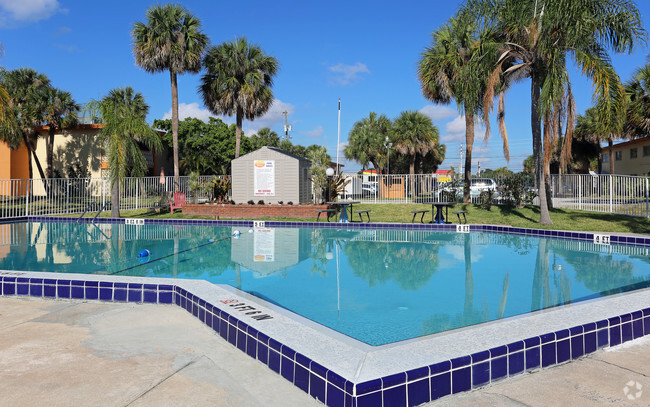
[(346, 74), (186, 110), (438, 112), (273, 118), (454, 131), (317, 132), (27, 10)]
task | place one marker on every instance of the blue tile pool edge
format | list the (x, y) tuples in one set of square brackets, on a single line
[(636, 240), (411, 387)]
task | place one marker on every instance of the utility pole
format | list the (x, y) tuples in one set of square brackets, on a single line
[(479, 168), (287, 127)]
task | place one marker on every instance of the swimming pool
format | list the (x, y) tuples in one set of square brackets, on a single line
[(332, 367), (377, 286)]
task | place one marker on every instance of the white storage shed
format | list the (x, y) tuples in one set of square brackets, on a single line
[(272, 175)]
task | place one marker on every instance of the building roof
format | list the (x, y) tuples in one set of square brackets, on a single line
[(277, 150), (630, 143)]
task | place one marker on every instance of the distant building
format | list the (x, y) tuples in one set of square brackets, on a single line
[(630, 158)]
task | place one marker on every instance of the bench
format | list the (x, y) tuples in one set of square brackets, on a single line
[(328, 211), (417, 212), (458, 213), (366, 211)]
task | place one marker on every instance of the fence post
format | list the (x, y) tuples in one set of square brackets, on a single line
[(137, 192), (580, 192), (611, 194), (27, 192), (647, 198), (67, 197), (103, 186)]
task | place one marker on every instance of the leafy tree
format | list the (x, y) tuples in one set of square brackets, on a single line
[(366, 140), (60, 114), (529, 164), (320, 161), (456, 66), (415, 134), (171, 40), (537, 39), (207, 148), (26, 89), (638, 112), (264, 137), (238, 82), (124, 113)]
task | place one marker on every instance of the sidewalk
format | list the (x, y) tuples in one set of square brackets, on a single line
[(57, 353)]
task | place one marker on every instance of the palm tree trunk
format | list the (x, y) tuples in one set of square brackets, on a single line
[(49, 151), (538, 152), (115, 199), (469, 141), (240, 119), (610, 143), (177, 179)]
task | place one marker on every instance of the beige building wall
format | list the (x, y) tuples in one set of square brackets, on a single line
[(630, 158), (79, 146)]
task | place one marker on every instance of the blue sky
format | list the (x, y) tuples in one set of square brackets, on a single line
[(363, 52)]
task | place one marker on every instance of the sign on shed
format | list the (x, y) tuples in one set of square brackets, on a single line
[(264, 178)]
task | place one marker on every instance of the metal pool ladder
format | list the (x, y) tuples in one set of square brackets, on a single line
[(88, 207)]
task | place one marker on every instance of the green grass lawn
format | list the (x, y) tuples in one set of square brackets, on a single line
[(528, 217)]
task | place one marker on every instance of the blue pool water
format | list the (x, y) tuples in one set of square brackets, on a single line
[(378, 286)]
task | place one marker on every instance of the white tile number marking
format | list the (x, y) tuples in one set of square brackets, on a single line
[(462, 228), (601, 239), (134, 221), (258, 223)]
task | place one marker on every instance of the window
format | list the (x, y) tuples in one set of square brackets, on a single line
[(618, 155), (633, 153), (606, 157), (646, 151)]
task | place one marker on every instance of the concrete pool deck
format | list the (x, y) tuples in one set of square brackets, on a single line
[(61, 353)]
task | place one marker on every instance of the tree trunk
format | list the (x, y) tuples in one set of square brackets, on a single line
[(412, 175), (610, 143), (469, 141), (49, 149), (177, 179), (536, 127), (240, 119), (115, 199)]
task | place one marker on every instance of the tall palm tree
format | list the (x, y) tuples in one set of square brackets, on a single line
[(456, 66), (124, 112), (171, 40), (638, 94), (27, 96), (538, 38), (414, 134), (60, 114), (238, 81), (598, 126), (366, 140)]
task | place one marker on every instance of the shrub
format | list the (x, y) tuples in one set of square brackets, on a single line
[(260, 202), (486, 198), (232, 202), (280, 202), (289, 203), (251, 202), (219, 187), (512, 190)]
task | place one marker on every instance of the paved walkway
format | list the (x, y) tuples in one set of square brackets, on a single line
[(56, 353)]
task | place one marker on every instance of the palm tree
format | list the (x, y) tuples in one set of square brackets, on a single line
[(26, 89), (124, 113), (265, 137), (414, 134), (638, 112), (455, 66), (60, 114), (171, 40), (366, 140), (238, 82), (538, 38), (593, 125)]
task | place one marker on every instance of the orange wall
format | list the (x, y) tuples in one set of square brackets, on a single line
[(14, 164)]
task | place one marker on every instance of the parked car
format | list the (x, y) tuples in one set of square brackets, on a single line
[(477, 186)]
